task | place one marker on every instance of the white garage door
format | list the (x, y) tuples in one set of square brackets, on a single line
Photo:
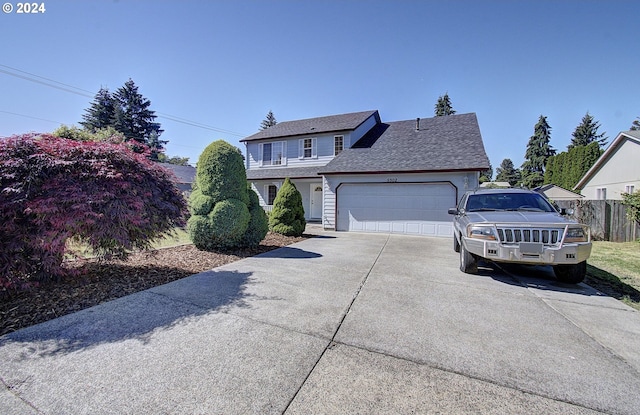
[(409, 208)]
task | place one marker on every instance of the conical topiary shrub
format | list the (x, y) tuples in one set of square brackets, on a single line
[(220, 206), (287, 216)]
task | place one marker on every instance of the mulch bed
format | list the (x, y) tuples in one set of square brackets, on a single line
[(107, 280)]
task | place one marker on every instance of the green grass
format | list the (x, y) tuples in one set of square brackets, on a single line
[(614, 268), (180, 237)]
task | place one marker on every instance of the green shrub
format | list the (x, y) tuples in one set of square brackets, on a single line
[(220, 173), (287, 216), (258, 222), (225, 212)]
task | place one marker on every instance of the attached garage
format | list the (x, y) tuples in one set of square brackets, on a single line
[(407, 208)]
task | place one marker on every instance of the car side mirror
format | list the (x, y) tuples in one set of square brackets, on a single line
[(453, 211)]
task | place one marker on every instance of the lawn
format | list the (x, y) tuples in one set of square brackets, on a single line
[(614, 268)]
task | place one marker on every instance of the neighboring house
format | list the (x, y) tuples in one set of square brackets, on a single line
[(495, 184), (617, 171), (553, 192), (355, 172), (185, 175)]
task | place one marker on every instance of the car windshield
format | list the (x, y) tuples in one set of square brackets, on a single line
[(531, 202)]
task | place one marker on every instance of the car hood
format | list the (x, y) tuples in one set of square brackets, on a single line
[(518, 217)]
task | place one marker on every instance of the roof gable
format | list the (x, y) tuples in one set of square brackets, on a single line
[(630, 136), (184, 174), (331, 123), (443, 143)]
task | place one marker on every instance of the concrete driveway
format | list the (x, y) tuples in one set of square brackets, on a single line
[(344, 323)]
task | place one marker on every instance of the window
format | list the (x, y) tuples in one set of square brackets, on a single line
[(338, 144), (270, 192), (601, 193), (307, 148), (629, 188), (273, 154)]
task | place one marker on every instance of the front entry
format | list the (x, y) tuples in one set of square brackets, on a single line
[(316, 201)]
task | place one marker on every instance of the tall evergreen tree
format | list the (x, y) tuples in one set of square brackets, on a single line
[(538, 152), (269, 121), (507, 172), (443, 106), (587, 132), (636, 124), (101, 112), (134, 119)]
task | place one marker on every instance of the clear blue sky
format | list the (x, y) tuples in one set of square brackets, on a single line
[(225, 64)]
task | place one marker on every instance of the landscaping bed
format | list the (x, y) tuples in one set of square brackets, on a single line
[(108, 280)]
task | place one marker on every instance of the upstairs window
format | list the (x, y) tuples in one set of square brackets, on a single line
[(629, 188), (307, 148), (338, 144), (601, 193), (273, 154)]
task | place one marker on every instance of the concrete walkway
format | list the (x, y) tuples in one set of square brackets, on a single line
[(344, 323)]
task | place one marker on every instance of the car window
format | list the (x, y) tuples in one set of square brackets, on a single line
[(508, 201)]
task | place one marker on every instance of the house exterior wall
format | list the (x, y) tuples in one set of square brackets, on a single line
[(616, 174), (303, 186), (462, 181)]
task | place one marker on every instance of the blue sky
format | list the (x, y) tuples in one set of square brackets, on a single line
[(224, 64)]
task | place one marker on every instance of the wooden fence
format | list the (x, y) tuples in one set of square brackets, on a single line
[(607, 219)]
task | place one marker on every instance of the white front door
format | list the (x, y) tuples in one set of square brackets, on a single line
[(316, 201)]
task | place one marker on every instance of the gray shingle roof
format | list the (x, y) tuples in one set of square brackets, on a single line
[(442, 144), (331, 123), (184, 174), (279, 173)]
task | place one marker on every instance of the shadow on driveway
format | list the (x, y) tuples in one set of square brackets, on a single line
[(137, 316)]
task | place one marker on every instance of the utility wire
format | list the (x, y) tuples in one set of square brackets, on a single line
[(83, 92)]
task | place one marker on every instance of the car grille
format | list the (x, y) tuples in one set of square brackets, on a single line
[(545, 236)]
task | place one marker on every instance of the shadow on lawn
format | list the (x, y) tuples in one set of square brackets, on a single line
[(134, 317), (612, 285)]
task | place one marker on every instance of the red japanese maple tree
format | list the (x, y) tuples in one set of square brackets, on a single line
[(102, 194)]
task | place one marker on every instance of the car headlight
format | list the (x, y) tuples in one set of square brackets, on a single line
[(481, 232), (575, 235)]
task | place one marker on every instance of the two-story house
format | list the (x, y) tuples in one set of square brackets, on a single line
[(355, 172)]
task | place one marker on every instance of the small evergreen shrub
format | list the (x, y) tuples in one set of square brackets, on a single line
[(287, 215), (222, 206)]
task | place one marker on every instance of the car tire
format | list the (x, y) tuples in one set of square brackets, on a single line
[(456, 244), (468, 262), (571, 274)]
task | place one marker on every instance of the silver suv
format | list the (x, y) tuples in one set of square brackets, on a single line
[(519, 226)]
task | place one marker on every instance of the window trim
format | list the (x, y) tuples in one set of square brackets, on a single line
[(267, 187), (302, 148), (283, 154), (335, 144)]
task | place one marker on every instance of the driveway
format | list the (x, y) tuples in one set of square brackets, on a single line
[(344, 323)]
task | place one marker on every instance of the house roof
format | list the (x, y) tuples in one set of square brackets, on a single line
[(556, 192), (331, 123), (633, 136), (279, 173), (184, 174), (446, 143)]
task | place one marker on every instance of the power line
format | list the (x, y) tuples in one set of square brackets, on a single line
[(29, 116), (83, 92)]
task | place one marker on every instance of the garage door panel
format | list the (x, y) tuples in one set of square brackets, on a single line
[(417, 208)]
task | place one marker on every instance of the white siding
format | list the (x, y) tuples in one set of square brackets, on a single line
[(328, 205), (621, 170)]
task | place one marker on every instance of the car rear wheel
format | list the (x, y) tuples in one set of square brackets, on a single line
[(571, 274), (468, 262)]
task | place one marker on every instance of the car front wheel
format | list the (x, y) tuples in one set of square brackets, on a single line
[(456, 244), (571, 274), (468, 262)]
